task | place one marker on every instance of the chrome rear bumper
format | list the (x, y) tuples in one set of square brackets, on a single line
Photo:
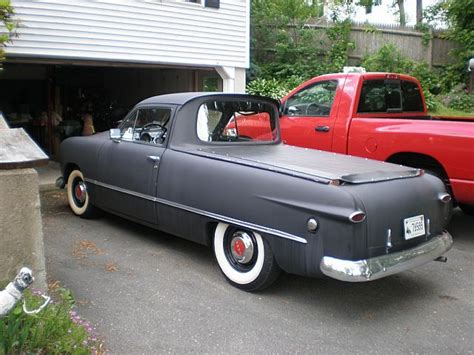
[(385, 265)]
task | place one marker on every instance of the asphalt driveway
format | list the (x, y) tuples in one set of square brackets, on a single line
[(150, 292)]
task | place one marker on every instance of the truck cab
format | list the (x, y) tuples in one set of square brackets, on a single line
[(381, 116)]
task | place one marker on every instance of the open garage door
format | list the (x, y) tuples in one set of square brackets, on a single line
[(51, 100)]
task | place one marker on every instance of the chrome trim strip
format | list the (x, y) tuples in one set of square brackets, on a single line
[(385, 265), (212, 215), (119, 189)]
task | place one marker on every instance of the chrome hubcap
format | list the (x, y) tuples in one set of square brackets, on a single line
[(80, 192), (242, 247)]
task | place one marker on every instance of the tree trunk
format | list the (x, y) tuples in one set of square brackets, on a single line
[(401, 10), (419, 11)]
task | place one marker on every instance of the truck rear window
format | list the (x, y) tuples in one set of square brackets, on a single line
[(390, 96)]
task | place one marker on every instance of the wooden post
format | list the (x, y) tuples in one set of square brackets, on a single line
[(471, 80), (50, 93), (429, 50)]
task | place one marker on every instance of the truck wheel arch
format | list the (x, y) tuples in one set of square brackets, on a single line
[(418, 160), (422, 161)]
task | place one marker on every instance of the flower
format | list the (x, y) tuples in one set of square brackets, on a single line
[(36, 292)]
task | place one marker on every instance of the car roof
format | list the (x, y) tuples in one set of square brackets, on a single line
[(184, 97)]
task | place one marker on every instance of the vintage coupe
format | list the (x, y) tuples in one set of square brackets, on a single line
[(178, 164)]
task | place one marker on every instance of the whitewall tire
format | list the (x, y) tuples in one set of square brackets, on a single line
[(78, 197), (244, 257)]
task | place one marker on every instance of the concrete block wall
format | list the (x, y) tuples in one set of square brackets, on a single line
[(21, 228)]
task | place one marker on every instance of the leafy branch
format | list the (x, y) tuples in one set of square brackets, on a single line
[(7, 26)]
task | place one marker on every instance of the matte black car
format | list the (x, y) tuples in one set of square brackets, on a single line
[(261, 205)]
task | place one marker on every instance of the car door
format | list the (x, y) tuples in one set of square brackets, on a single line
[(128, 167), (309, 116)]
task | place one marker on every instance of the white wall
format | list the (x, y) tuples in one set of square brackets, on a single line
[(148, 31)]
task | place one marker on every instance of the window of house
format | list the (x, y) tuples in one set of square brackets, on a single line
[(206, 3), (390, 96), (314, 100)]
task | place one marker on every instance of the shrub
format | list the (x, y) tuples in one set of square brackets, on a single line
[(387, 59), (459, 100), (6, 13), (57, 329), (390, 59), (268, 87)]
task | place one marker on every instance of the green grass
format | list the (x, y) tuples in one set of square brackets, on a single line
[(57, 329), (442, 110)]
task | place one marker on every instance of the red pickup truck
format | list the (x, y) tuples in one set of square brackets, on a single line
[(382, 116)]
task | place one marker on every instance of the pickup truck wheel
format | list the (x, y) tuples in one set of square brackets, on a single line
[(467, 209), (244, 257), (78, 196)]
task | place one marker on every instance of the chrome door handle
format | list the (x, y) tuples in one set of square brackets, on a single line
[(153, 157)]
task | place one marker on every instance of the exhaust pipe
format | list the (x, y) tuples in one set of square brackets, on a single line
[(441, 259)]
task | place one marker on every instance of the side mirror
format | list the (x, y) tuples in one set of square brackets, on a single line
[(470, 67), (114, 133)]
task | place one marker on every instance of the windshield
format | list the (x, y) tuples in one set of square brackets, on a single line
[(225, 120)]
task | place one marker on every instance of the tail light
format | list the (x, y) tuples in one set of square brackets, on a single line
[(445, 198), (357, 217)]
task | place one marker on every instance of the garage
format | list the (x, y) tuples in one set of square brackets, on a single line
[(51, 99), (94, 60)]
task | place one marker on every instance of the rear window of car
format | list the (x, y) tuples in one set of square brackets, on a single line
[(390, 96), (236, 121)]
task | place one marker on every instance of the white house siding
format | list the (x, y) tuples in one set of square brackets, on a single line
[(166, 32)]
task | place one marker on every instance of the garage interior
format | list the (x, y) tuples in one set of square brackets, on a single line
[(49, 100)]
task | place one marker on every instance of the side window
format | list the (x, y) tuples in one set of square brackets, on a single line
[(315, 100), (389, 96), (148, 125), (126, 128)]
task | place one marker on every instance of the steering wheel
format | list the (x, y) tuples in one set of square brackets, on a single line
[(314, 110), (147, 137), (153, 124)]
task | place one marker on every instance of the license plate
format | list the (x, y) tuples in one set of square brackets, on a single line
[(414, 226)]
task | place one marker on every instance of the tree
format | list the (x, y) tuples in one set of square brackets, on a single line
[(6, 13), (401, 12), (281, 42), (458, 15), (286, 50), (419, 12), (368, 4)]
